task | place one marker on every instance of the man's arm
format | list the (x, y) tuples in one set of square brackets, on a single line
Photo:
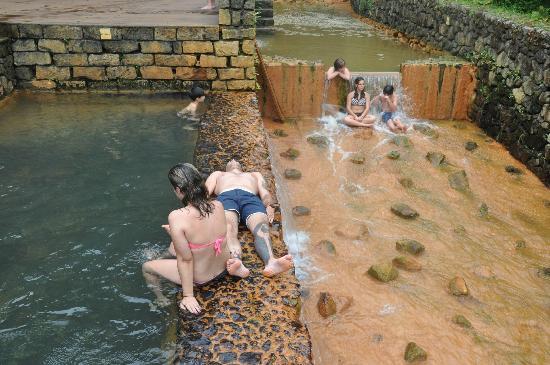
[(211, 182), (184, 259), (265, 195)]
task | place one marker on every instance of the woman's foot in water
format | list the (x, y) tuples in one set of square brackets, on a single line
[(277, 266), (235, 267)]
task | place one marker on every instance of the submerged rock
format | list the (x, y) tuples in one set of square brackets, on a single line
[(383, 272), (459, 181), (426, 130), (293, 174), (404, 211), (300, 211), (513, 170), (546, 203), (462, 321), (406, 182), (318, 140), (406, 263), (411, 246), (436, 158), (326, 305), (470, 146), (357, 159), (484, 272), (483, 210), (402, 141), (353, 231), (291, 154), (393, 155), (544, 272), (327, 246), (414, 353), (280, 133), (460, 229), (520, 244), (458, 287)]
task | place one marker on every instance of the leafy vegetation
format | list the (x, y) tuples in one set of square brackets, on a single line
[(531, 12)]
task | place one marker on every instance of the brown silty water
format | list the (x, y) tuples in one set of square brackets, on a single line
[(501, 252)]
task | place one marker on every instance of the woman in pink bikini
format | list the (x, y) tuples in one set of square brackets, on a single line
[(198, 236)]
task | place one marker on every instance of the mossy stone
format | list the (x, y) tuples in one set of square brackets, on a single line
[(406, 182), (414, 353), (300, 211), (404, 211), (326, 305), (383, 272), (318, 140), (435, 158), (483, 210), (402, 141), (280, 133), (293, 174), (513, 170), (462, 321), (411, 246), (393, 155), (426, 130), (357, 159), (291, 154), (328, 247), (459, 181), (470, 146)]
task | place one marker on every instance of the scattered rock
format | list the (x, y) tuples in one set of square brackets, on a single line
[(406, 263), (300, 211), (352, 231), (411, 246), (293, 174), (404, 211), (280, 133), (544, 272), (318, 140), (414, 353), (327, 246), (513, 170), (459, 230), (406, 182), (459, 181), (393, 155), (326, 305), (377, 338), (458, 287), (351, 188), (483, 210), (402, 141), (484, 272), (436, 158), (291, 154), (470, 145), (459, 126), (462, 321), (546, 203), (383, 272), (426, 130), (357, 159), (521, 244)]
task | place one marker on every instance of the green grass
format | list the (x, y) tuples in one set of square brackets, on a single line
[(535, 13)]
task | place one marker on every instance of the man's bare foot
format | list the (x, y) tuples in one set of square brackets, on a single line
[(277, 266), (235, 267)]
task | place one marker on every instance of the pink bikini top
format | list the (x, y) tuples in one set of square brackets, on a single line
[(217, 245)]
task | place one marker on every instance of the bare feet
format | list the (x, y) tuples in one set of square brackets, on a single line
[(235, 267), (208, 7), (277, 266)]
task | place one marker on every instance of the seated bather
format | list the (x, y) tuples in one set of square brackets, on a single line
[(198, 232), (197, 96), (357, 106)]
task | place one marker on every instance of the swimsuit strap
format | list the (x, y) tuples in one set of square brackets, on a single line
[(217, 245)]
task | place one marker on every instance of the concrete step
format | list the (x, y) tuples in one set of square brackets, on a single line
[(265, 22), (265, 13), (264, 4)]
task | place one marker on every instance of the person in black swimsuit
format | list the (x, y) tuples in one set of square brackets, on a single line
[(357, 105)]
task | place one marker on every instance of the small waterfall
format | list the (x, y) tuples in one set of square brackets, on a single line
[(375, 82)]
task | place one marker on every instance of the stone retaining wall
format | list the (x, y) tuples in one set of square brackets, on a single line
[(7, 74), (512, 101), (116, 57)]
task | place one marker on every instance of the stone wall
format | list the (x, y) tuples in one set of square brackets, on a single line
[(512, 102), (7, 74), (109, 57), (265, 14)]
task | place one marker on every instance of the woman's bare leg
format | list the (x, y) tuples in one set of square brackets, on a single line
[(350, 121), (153, 270)]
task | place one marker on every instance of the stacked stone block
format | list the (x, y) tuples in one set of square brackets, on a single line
[(81, 57), (234, 51), (512, 101)]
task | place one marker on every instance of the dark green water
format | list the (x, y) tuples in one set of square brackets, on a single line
[(315, 33), (83, 191)]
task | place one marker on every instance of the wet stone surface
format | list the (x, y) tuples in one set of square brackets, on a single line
[(252, 320)]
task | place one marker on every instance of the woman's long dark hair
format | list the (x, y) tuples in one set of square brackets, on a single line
[(190, 182), (356, 82)]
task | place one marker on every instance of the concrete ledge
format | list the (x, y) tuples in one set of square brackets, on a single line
[(253, 320)]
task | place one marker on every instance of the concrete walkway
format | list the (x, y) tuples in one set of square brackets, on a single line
[(108, 12)]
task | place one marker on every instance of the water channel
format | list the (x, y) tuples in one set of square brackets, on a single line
[(84, 191), (494, 234)]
